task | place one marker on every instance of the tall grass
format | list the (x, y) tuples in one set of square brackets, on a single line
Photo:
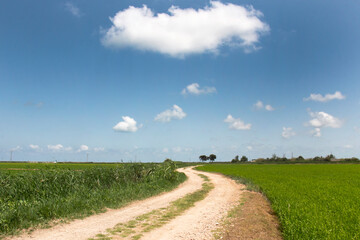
[(30, 198), (311, 201)]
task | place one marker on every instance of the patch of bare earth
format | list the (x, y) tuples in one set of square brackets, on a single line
[(253, 219), (200, 221)]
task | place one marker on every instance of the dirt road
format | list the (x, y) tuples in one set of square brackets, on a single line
[(196, 223)]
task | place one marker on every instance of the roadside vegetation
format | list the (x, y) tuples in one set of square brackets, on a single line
[(33, 198), (319, 201)]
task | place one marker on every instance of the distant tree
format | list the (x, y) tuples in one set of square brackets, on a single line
[(203, 158), (329, 158), (236, 159), (300, 158), (212, 157), (168, 160), (244, 159)]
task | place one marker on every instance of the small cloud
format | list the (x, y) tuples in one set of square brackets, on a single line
[(269, 108), (182, 32), (287, 132), (99, 149), (56, 147), (316, 132), (15, 149), (127, 125), (74, 10), (195, 89), (260, 105), (34, 147), (83, 148), (236, 123), (165, 150), (328, 97), (250, 148), (348, 146), (323, 119), (173, 113)]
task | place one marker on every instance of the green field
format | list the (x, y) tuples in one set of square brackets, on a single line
[(38, 193), (311, 201)]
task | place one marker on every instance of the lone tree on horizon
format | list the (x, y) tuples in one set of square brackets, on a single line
[(203, 158), (212, 157)]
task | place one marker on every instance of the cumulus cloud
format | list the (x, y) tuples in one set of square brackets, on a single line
[(74, 10), (165, 150), (348, 146), (287, 132), (237, 123), (316, 132), (34, 147), (173, 113), (127, 125), (56, 147), (328, 97), (269, 108), (260, 105), (83, 148), (186, 31), (250, 148), (195, 89), (323, 119)]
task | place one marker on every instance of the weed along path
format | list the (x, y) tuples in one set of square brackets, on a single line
[(192, 211)]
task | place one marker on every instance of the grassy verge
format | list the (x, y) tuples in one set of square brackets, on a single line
[(32, 198), (311, 201), (134, 229)]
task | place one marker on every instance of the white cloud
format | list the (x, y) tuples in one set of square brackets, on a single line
[(348, 146), (165, 150), (99, 149), (173, 113), (56, 147), (316, 132), (269, 108), (17, 148), (260, 105), (287, 132), (323, 119), (250, 148), (34, 147), (236, 123), (186, 31), (74, 10), (328, 97), (83, 148), (195, 89), (127, 125)]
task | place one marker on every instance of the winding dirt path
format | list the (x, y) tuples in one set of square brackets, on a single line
[(196, 223)]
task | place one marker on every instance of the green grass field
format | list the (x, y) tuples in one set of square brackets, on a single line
[(311, 201), (64, 191)]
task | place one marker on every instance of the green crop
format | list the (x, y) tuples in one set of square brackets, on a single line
[(29, 198), (311, 201)]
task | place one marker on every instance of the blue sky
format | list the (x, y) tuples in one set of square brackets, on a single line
[(144, 83)]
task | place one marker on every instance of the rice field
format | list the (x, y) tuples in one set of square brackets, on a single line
[(319, 201)]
